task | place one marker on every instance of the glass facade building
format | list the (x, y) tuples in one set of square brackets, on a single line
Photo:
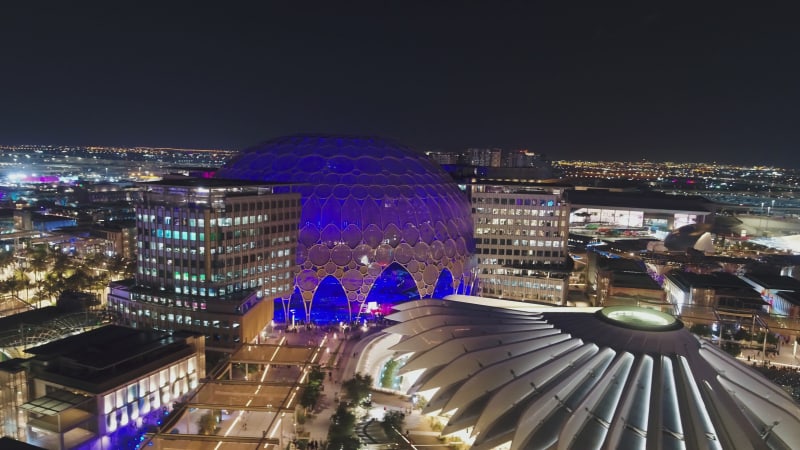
[(211, 256), (380, 223)]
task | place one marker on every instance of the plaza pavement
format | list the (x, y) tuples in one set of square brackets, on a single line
[(344, 365)]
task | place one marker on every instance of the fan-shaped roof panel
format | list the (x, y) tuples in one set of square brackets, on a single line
[(613, 378)]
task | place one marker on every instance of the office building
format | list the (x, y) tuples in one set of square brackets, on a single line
[(521, 242), (211, 257)]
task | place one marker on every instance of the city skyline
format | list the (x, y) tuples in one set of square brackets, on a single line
[(646, 82)]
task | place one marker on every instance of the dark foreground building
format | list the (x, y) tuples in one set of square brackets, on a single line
[(100, 389)]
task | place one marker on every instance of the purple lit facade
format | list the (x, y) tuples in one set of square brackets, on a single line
[(380, 223)]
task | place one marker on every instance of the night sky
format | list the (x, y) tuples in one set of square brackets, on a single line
[(680, 82)]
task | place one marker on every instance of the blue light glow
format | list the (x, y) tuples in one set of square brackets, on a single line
[(367, 204)]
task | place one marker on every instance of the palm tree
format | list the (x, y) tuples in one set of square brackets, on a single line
[(61, 263), (79, 280), (6, 259), (6, 286), (40, 259), (53, 285), (40, 295), (21, 280)]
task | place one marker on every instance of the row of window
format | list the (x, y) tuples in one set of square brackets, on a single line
[(509, 241), (249, 260), (259, 205), (515, 201), (517, 223), (214, 236), (149, 384), (520, 253), (520, 212), (192, 222), (501, 292), (201, 250), (483, 243), (527, 283)]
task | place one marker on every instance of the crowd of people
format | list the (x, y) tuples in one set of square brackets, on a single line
[(786, 377)]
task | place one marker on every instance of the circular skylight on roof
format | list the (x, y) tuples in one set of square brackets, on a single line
[(639, 318)]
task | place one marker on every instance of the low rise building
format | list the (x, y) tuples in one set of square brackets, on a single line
[(719, 290), (98, 390), (769, 286)]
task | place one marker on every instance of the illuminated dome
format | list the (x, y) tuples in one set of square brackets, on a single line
[(515, 376), (380, 223)]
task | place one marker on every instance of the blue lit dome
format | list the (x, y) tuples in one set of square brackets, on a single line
[(380, 222)]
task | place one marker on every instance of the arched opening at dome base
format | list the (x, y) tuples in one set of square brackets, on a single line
[(463, 286), (444, 285), (395, 285), (285, 309), (329, 304)]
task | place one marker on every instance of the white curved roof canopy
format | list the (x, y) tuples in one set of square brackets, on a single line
[(570, 378)]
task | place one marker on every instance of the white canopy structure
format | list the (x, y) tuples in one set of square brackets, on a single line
[(585, 378)]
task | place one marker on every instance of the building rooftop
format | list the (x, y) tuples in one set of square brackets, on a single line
[(105, 356), (32, 317), (716, 280), (639, 200), (620, 264), (779, 282), (6, 443), (12, 366), (792, 297), (203, 182), (636, 280)]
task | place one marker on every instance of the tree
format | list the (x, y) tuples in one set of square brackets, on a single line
[(341, 433), (393, 422), (40, 295), (313, 389), (120, 268), (358, 387), (21, 281), (53, 285), (6, 286), (389, 374), (6, 259), (39, 260), (207, 424), (62, 264)]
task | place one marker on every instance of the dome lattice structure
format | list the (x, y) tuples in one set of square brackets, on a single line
[(578, 378), (378, 219)]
